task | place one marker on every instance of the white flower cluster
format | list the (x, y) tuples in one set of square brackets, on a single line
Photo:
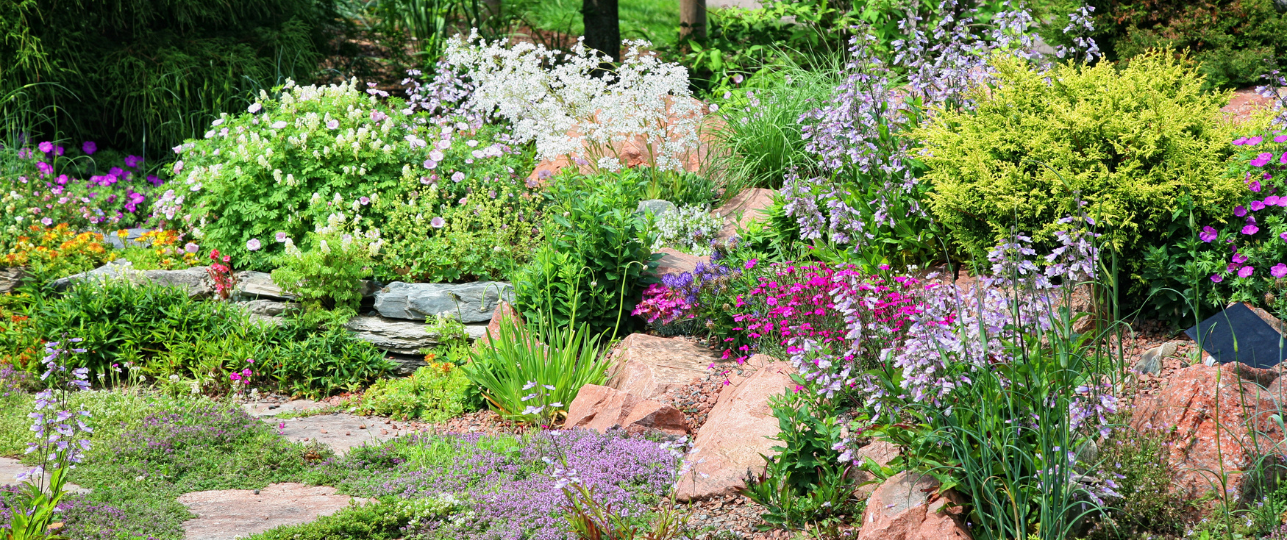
[(689, 228), (568, 104)]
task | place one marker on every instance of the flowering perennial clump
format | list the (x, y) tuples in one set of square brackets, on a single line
[(559, 101)]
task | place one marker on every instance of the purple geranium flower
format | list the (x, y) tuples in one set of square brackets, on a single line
[(1252, 141), (1240, 211), (1208, 234), (438, 222), (89, 147), (1257, 206), (1279, 270), (1262, 159), (1216, 278), (1250, 229), (253, 244), (1246, 271), (46, 147)]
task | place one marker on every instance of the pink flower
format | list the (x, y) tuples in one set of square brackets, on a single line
[(190, 247), (1278, 270), (751, 264), (1280, 138), (1208, 234), (1255, 186), (1216, 278), (438, 223), (253, 244), (332, 124), (1262, 159), (1257, 206), (1246, 271), (46, 147), (1252, 141), (1239, 258), (1250, 229), (1240, 211)]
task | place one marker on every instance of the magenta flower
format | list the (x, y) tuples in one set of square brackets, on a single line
[(1250, 229), (1283, 236), (133, 161), (253, 244), (46, 147), (1208, 234), (58, 150), (1257, 206), (1246, 271), (1278, 270), (751, 263), (438, 222), (1240, 211), (45, 168), (1216, 278), (1252, 141), (1239, 258), (1254, 185), (1262, 159), (1271, 200), (1240, 141), (89, 147)]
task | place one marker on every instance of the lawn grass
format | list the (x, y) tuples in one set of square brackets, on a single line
[(654, 20)]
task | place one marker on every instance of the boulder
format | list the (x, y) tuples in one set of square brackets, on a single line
[(241, 513), (736, 435), (908, 507), (131, 238), (260, 285), (673, 261), (400, 337), (649, 366), (745, 207), (471, 302), (601, 408), (267, 308), (195, 280), (879, 452), (1194, 414), (504, 311)]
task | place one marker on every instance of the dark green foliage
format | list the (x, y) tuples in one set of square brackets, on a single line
[(325, 363), (358, 522), (805, 483), (593, 267), (148, 73), (120, 322), (1233, 39)]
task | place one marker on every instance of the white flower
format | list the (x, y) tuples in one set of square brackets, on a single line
[(254, 108), (280, 124)]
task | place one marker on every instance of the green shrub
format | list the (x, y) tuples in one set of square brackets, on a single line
[(329, 276), (592, 268), (1234, 40), (145, 74), (142, 324), (317, 151), (1138, 461), (324, 363), (1129, 144), (433, 393), (534, 373)]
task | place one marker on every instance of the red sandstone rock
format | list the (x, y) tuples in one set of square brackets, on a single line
[(504, 311), (674, 261), (908, 507), (1196, 414), (736, 435), (881, 453), (240, 513), (601, 408), (742, 209), (650, 366)]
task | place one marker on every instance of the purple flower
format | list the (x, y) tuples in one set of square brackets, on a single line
[(190, 247), (1254, 185), (1271, 200), (1257, 206), (1208, 234), (1239, 258), (46, 222), (281, 237), (133, 161), (89, 147), (457, 176), (430, 164), (45, 168), (1278, 270), (1216, 278), (253, 244), (1240, 141), (46, 147), (438, 222), (58, 150), (1280, 138), (1250, 229), (1252, 141), (1262, 159), (1246, 271), (1240, 211)]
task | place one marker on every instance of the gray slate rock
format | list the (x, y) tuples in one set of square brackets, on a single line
[(131, 238), (195, 280), (1150, 362), (260, 285), (400, 337), (11, 277), (470, 302), (267, 308)]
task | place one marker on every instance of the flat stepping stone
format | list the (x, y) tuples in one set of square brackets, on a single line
[(239, 513), (260, 409), (10, 469), (340, 431)]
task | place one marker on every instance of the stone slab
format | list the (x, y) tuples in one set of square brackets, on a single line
[(239, 513)]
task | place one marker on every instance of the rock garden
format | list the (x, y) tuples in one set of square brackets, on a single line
[(789, 269)]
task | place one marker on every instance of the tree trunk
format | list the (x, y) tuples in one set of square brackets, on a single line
[(602, 27), (692, 19)]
